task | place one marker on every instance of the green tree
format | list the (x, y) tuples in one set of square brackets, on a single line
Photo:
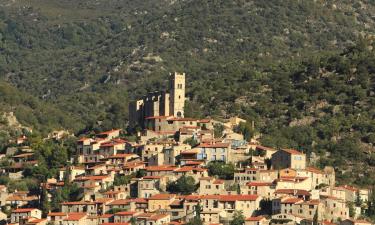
[(133, 221), (238, 218), (218, 130), (184, 185), (44, 202), (351, 209), (122, 179), (220, 169), (191, 141)]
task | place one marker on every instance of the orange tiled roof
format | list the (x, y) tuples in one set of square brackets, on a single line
[(231, 198), (254, 218), (264, 148), (214, 145), (117, 156), (293, 151), (125, 213), (119, 202), (106, 215), (78, 203), (292, 192), (218, 181), (162, 197), (314, 170), (101, 177), (158, 217), (291, 200), (74, 216), (23, 210), (160, 168), (259, 184)]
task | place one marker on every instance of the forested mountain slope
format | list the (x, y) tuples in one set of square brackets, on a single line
[(288, 65)]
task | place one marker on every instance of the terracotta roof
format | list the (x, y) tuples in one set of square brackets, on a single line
[(194, 162), (218, 181), (259, 184), (293, 151), (106, 215), (314, 170), (190, 151), (349, 188), (181, 119), (119, 202), (291, 200), (74, 216), (184, 169), (162, 197), (204, 121), (112, 142), (311, 202), (121, 156), (265, 148), (35, 220), (158, 217), (214, 145), (23, 210), (255, 218), (125, 213), (161, 168), (292, 192), (103, 200), (78, 203), (84, 139), (156, 117), (138, 200), (231, 198)]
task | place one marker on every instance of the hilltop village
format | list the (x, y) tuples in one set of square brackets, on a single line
[(180, 170)]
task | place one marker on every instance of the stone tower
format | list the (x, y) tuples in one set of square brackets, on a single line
[(177, 94)]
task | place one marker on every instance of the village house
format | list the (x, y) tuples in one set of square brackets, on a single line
[(22, 213), (264, 189), (255, 175), (160, 201), (256, 220), (335, 208), (288, 158), (220, 208), (150, 185), (211, 186), (214, 152)]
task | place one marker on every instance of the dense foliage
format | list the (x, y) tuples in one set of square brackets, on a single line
[(184, 185), (303, 71), (221, 170)]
